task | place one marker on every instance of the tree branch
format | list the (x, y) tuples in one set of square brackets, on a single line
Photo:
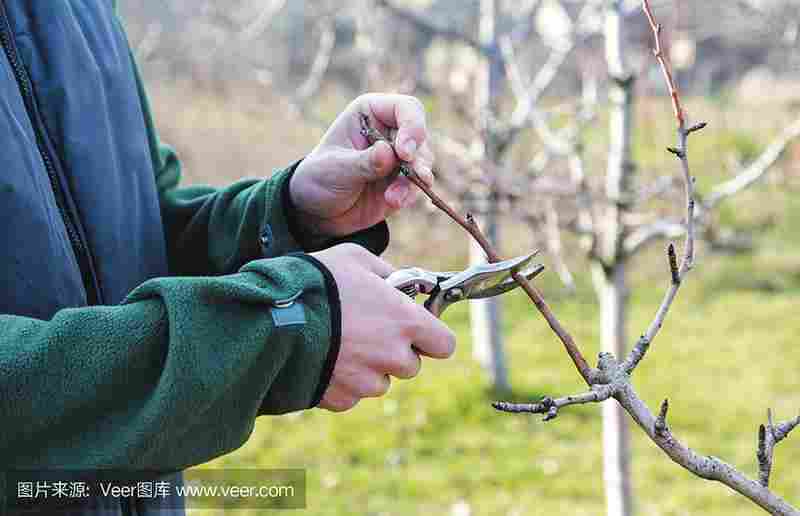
[(756, 170), (749, 176)]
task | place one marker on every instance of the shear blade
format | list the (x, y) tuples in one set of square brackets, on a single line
[(509, 284), (491, 279)]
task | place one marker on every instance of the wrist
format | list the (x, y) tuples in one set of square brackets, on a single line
[(308, 230)]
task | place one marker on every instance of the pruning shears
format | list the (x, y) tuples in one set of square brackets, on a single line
[(477, 282)]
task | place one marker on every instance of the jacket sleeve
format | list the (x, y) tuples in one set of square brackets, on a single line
[(171, 378)]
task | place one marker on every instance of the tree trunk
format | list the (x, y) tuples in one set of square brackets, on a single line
[(612, 294), (609, 270), (487, 339), (485, 314)]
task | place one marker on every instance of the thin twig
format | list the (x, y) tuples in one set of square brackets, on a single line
[(682, 153), (471, 226), (550, 407), (666, 69)]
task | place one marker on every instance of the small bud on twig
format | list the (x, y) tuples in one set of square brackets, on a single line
[(697, 127), (679, 153), (660, 427), (673, 264)]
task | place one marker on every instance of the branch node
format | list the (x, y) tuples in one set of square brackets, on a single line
[(697, 127), (673, 264), (677, 152), (660, 427)]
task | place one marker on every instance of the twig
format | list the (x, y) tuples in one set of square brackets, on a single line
[(750, 175), (666, 69), (321, 63), (471, 226), (550, 407), (677, 273), (756, 170)]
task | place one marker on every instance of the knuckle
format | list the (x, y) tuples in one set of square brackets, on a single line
[(408, 366), (352, 250), (377, 387), (342, 404), (415, 102), (361, 99)]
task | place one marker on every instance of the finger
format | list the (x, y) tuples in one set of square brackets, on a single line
[(377, 162), (431, 337), (405, 363), (374, 385), (423, 165), (367, 260), (405, 113), (337, 399), (398, 192)]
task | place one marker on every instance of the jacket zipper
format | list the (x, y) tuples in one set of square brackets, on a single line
[(79, 247)]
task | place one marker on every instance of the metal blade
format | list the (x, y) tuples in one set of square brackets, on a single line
[(489, 280), (509, 284)]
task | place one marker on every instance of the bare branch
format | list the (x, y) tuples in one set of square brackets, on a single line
[(666, 68), (555, 246), (677, 273), (550, 407), (643, 236), (756, 171), (322, 61), (257, 27)]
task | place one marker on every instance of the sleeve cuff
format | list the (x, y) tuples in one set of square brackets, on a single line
[(375, 238), (335, 308)]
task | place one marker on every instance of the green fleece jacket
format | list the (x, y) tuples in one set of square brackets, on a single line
[(176, 374)]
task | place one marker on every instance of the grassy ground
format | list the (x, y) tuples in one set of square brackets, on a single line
[(435, 445)]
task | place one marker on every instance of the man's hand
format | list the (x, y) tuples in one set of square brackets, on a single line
[(379, 327), (345, 185)]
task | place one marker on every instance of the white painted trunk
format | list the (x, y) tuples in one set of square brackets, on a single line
[(612, 293), (609, 277), (485, 318), (485, 315)]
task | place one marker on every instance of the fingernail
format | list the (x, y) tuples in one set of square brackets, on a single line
[(409, 149)]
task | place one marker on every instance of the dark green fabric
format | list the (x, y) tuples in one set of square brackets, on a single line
[(173, 377)]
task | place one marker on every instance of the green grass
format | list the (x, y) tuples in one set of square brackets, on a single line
[(726, 353)]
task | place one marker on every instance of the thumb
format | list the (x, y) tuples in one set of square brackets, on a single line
[(376, 162)]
